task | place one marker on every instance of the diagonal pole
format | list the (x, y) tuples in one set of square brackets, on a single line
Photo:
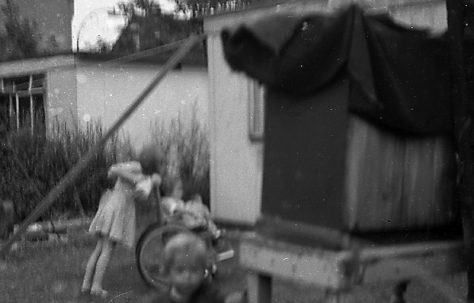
[(74, 173)]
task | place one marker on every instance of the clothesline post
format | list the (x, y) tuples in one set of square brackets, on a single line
[(81, 166)]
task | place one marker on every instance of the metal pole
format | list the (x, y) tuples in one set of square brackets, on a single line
[(17, 107), (75, 172), (10, 110), (30, 86)]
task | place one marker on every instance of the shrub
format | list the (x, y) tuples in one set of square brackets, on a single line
[(183, 148), (34, 164)]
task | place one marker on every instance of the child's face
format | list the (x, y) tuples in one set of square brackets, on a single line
[(185, 276), (178, 190)]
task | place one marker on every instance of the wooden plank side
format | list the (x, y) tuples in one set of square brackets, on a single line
[(374, 177), (422, 260), (445, 173), (340, 270), (418, 201), (281, 259), (395, 182), (428, 182)]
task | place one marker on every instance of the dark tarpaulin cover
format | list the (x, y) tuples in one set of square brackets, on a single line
[(399, 75)]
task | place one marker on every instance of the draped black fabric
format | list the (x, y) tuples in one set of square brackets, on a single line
[(399, 75)]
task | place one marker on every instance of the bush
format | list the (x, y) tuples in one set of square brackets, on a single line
[(33, 164), (183, 148)]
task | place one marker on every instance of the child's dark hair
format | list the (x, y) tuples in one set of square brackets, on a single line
[(149, 159)]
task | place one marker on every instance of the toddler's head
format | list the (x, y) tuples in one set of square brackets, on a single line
[(172, 186), (149, 159), (185, 257)]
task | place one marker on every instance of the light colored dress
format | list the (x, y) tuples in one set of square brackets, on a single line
[(116, 218)]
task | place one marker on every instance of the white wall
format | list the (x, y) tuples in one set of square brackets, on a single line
[(78, 91), (236, 166), (237, 163), (105, 92), (61, 97)]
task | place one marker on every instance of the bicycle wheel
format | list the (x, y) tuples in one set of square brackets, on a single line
[(149, 250)]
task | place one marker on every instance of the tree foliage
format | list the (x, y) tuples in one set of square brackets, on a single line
[(200, 8), (149, 27), (18, 36), (144, 8)]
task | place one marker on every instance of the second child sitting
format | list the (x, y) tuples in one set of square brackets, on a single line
[(193, 214)]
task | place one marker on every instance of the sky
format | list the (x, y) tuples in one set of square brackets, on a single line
[(91, 20)]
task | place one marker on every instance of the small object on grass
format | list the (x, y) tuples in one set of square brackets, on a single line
[(99, 293), (3, 266), (237, 297), (14, 246), (35, 227), (85, 290)]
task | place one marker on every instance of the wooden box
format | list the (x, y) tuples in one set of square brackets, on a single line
[(326, 167)]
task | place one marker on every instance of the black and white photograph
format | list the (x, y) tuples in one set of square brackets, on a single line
[(237, 151)]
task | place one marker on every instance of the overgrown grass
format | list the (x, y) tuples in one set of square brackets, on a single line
[(32, 164), (183, 148)]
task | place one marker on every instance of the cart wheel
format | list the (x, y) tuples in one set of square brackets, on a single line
[(149, 251)]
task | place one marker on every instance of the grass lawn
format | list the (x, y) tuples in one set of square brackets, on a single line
[(46, 272), (42, 272)]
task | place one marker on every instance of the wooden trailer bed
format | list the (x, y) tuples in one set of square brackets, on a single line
[(338, 271)]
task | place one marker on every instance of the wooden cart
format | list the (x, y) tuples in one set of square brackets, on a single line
[(338, 271), (344, 172)]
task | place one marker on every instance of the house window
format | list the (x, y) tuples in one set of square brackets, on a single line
[(22, 103), (256, 110)]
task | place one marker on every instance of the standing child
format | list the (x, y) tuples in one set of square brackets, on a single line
[(186, 260), (115, 220)]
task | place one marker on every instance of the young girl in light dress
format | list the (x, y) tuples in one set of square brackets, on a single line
[(115, 220)]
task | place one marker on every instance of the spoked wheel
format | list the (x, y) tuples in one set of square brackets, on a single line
[(149, 251)]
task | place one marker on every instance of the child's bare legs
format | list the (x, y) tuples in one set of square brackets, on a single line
[(101, 266), (90, 268)]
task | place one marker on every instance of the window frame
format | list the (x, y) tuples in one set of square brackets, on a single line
[(256, 111), (32, 88)]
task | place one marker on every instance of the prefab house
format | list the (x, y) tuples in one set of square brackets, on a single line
[(84, 88), (352, 178)]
